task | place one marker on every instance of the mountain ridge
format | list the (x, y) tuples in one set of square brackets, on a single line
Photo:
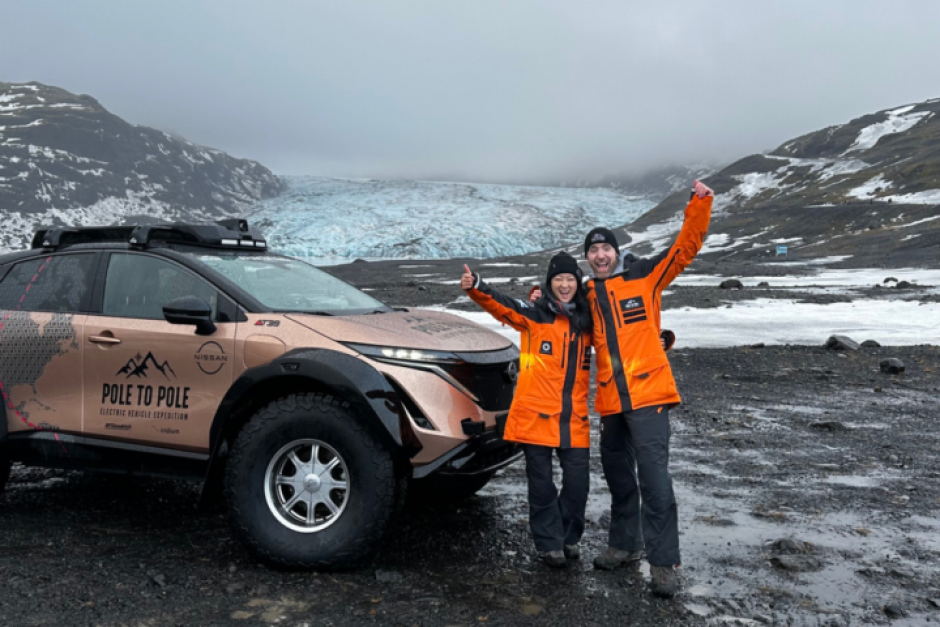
[(65, 159), (867, 188)]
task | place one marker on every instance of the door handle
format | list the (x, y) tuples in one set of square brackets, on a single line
[(103, 339)]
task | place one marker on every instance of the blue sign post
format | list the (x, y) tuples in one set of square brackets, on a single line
[(781, 250)]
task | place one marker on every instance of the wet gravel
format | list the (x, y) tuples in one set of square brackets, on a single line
[(808, 485)]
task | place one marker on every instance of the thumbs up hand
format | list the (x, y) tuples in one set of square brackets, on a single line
[(467, 281), (701, 190)]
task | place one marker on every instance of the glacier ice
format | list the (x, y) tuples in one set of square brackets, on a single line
[(328, 220)]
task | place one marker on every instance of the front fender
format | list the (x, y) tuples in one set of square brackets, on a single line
[(352, 379)]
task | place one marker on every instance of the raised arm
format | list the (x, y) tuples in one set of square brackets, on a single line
[(516, 313), (666, 266)]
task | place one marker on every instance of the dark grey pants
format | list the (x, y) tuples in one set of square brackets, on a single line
[(639, 440), (556, 520)]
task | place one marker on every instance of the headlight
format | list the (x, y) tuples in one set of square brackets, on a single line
[(432, 361), (391, 354)]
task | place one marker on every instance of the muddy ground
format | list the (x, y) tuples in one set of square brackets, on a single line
[(808, 486)]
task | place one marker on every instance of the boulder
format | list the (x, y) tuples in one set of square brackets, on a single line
[(903, 285), (890, 279), (828, 425), (731, 284), (892, 366), (841, 343), (796, 563), (763, 284), (870, 344)]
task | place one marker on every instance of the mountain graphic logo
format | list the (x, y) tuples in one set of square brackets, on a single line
[(138, 366)]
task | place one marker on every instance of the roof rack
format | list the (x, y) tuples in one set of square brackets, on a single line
[(230, 234)]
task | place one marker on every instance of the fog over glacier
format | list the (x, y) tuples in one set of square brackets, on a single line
[(336, 220)]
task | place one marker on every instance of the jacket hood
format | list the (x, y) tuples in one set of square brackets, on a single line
[(417, 329)]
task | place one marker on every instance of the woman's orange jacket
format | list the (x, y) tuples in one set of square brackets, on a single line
[(550, 406), (632, 368)]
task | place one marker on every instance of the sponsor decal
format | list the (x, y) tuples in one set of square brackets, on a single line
[(138, 366), (267, 323), (113, 426), (129, 400), (45, 426), (545, 348), (629, 304), (211, 357), (435, 327), (166, 430)]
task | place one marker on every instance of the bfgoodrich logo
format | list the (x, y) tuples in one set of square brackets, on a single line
[(211, 357)]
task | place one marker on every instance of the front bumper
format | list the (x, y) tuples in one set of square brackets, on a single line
[(478, 455)]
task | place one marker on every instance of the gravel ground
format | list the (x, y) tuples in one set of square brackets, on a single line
[(808, 491)]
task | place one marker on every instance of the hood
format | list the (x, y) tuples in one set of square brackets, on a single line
[(418, 329)]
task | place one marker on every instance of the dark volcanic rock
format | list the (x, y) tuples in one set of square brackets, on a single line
[(731, 284), (797, 563), (870, 344), (60, 151), (892, 366), (890, 279), (841, 343), (828, 425), (903, 285)]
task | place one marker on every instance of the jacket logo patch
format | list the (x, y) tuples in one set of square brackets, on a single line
[(632, 310), (629, 304), (545, 348)]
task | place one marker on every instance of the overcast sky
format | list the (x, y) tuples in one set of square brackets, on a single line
[(480, 89)]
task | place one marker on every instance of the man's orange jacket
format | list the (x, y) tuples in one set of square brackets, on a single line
[(632, 368), (550, 406)]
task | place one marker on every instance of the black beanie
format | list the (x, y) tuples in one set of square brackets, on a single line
[(600, 235), (562, 263)]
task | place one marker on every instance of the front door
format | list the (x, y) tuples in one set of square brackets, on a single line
[(147, 380)]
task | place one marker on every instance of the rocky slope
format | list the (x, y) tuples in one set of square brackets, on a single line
[(869, 188), (64, 159), (656, 184)]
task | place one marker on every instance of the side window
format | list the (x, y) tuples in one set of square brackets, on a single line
[(55, 284), (138, 286)]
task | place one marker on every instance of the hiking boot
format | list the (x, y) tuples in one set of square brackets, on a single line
[(555, 559), (665, 583), (573, 551), (615, 558)]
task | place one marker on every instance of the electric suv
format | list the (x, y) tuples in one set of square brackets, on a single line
[(191, 351)]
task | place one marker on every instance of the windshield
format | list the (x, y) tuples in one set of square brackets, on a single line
[(286, 284)]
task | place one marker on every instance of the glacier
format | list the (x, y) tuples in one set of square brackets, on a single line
[(330, 220)]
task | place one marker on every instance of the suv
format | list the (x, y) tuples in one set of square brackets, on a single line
[(190, 351)]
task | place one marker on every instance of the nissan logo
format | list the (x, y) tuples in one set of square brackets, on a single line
[(512, 372)]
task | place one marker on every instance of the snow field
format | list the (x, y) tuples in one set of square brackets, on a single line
[(775, 321)]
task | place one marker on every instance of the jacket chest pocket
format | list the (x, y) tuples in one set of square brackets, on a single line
[(630, 310)]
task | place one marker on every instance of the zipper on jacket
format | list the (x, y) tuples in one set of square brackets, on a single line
[(564, 353), (564, 422), (613, 299), (613, 346)]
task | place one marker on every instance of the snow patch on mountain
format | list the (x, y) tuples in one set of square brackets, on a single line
[(899, 120)]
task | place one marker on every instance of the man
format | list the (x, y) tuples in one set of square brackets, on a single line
[(636, 389)]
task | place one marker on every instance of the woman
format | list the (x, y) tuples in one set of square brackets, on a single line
[(550, 409)]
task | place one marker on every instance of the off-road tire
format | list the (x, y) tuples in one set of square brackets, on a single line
[(370, 499), (446, 488)]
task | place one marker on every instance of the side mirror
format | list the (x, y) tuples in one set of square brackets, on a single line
[(190, 310)]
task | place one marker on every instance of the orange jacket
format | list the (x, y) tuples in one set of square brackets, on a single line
[(550, 406), (632, 368)]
